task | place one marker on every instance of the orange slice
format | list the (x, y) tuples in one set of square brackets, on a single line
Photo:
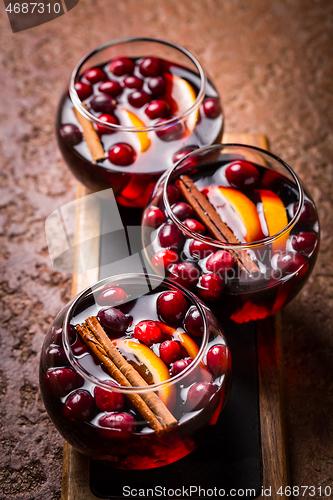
[(275, 216), (182, 96), (157, 368), (135, 121), (243, 207), (189, 345)]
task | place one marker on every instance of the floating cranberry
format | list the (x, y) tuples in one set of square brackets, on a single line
[(110, 87), (170, 132), (185, 274), (122, 66), (308, 215), (157, 86), (193, 322), (71, 134), (200, 249), (304, 242), (210, 286), (241, 174), (113, 320), (83, 90), (182, 210), (122, 154), (72, 335), (154, 217), (171, 306), (151, 66), (189, 162), (79, 405), (170, 236), (180, 365), (112, 296), (194, 226), (172, 194), (117, 426), (170, 351), (212, 107), (199, 394), (220, 262), (62, 380), (107, 119), (148, 332), (217, 360), (79, 348), (158, 109), (292, 262), (103, 103), (133, 82), (95, 75), (56, 335), (138, 98), (56, 356), (164, 258), (108, 400)]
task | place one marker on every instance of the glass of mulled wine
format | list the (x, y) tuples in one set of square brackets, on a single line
[(233, 224), (131, 106), (134, 371)]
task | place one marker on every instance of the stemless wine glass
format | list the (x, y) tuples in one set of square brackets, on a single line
[(134, 107), (234, 224), (169, 343)]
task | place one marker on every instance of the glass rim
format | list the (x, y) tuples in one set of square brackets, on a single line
[(166, 178), (118, 388), (165, 124)]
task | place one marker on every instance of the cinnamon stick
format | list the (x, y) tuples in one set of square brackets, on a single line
[(91, 137), (213, 222)]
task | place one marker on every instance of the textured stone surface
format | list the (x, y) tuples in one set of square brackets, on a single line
[(273, 65)]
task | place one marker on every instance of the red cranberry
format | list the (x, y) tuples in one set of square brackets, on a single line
[(292, 262), (180, 365), (154, 217), (103, 103), (112, 296), (56, 356), (189, 162), (172, 194), (194, 226), (304, 242), (80, 404), (185, 274), (242, 174), (170, 132), (220, 262), (83, 90), (110, 87), (308, 215), (108, 400), (200, 249), (210, 286), (95, 75), (122, 66), (148, 332), (151, 66), (56, 335), (217, 360), (71, 134), (199, 394), (62, 380), (107, 119), (164, 258), (193, 322), (170, 236), (78, 348), (133, 82), (122, 154), (170, 351), (72, 335), (171, 306), (138, 98), (117, 426), (157, 86), (212, 107), (182, 210), (113, 320), (158, 109)]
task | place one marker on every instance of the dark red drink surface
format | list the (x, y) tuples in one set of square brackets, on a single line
[(254, 202), (138, 100), (109, 428)]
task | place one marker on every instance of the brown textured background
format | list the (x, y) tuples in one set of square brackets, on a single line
[(273, 65)]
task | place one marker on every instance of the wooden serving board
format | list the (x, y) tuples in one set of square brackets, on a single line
[(76, 467)]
